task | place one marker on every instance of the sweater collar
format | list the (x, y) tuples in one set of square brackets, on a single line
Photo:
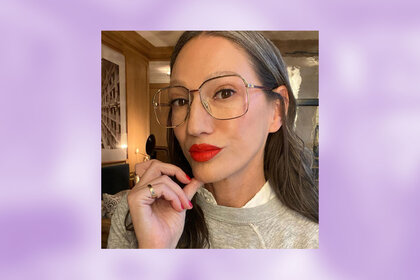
[(264, 195), (258, 213)]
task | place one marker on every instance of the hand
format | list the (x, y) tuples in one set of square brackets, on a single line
[(159, 222)]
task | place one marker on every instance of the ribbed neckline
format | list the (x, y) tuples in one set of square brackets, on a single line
[(265, 194), (242, 215)]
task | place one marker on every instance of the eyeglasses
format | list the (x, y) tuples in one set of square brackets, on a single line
[(223, 97)]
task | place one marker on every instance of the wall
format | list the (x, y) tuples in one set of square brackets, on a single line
[(137, 91)]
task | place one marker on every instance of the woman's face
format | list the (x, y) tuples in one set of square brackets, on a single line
[(242, 140)]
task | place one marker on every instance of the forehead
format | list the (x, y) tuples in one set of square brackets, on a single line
[(207, 56)]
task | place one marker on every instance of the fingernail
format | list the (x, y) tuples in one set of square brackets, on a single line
[(182, 206), (189, 202), (188, 177)]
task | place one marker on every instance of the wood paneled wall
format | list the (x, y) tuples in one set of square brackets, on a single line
[(137, 94)]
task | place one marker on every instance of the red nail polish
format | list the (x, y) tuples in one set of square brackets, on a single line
[(182, 206), (189, 202), (188, 177)]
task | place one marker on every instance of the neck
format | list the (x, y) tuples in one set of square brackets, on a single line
[(238, 189)]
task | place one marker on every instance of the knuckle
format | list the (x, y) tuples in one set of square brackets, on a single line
[(155, 185), (139, 165), (170, 183), (158, 187), (166, 179), (154, 163)]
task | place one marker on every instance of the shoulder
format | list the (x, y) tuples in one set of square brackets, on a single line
[(287, 228), (303, 231)]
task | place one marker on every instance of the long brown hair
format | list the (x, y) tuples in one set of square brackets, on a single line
[(287, 164)]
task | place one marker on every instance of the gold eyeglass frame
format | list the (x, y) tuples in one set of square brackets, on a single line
[(204, 103)]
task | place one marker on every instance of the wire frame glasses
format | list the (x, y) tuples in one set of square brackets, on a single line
[(223, 97)]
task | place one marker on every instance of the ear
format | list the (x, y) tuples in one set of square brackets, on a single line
[(277, 121)]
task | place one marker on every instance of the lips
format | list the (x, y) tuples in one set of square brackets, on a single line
[(203, 152)]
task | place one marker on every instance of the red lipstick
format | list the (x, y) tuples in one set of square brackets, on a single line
[(203, 152)]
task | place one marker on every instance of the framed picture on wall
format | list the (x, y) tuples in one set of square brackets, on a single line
[(113, 106)]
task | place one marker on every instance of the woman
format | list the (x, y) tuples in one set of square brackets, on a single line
[(229, 112)]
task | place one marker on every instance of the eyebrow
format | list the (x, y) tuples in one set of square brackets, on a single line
[(177, 82)]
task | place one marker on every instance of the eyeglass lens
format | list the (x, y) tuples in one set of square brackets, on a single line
[(222, 97)]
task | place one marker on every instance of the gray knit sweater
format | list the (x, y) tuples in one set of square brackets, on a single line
[(268, 226)]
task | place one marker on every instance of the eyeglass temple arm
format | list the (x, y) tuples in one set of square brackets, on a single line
[(260, 87), (264, 88)]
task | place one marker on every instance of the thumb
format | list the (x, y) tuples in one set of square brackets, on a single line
[(192, 188)]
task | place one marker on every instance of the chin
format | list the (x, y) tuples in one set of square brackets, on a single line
[(207, 174)]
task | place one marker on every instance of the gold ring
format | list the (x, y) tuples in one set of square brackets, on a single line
[(152, 191), (136, 179)]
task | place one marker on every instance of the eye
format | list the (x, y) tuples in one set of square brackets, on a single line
[(179, 102), (224, 93)]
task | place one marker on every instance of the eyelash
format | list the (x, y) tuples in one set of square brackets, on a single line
[(231, 91), (178, 99)]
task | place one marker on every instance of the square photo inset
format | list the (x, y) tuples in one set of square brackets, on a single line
[(218, 139)]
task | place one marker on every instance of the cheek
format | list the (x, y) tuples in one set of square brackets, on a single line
[(248, 133), (256, 121)]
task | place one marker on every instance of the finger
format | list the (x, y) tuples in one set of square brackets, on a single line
[(192, 188), (156, 169), (142, 194), (164, 192), (178, 190), (141, 167)]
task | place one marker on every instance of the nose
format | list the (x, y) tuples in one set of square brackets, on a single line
[(199, 121)]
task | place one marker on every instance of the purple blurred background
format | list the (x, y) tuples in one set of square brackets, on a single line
[(50, 134)]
